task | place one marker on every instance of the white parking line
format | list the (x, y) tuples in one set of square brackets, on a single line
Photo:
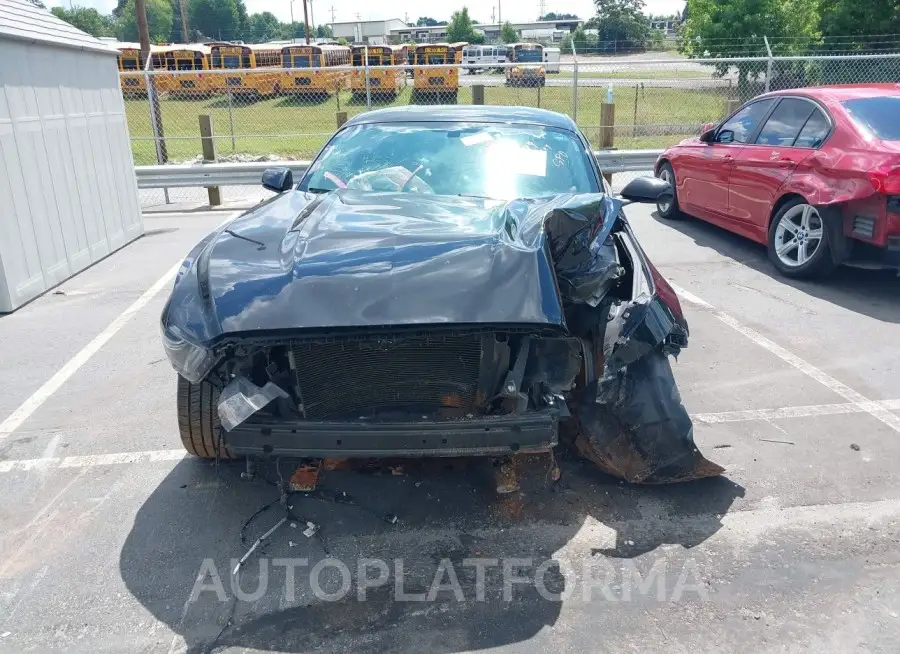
[(29, 406), (790, 412), (93, 460), (863, 404)]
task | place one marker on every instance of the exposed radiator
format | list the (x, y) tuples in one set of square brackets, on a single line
[(420, 372)]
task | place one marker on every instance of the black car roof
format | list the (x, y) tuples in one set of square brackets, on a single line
[(474, 113)]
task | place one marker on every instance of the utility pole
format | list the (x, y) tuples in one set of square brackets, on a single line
[(499, 15), (184, 23), (143, 28), (312, 19), (493, 14), (293, 24), (332, 13), (306, 20)]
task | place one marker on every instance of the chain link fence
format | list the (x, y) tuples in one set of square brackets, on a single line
[(272, 114)]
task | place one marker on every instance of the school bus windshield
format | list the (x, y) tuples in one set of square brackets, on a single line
[(528, 55), (432, 59), (303, 61)]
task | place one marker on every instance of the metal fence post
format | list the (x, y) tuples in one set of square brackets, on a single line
[(769, 68), (209, 156), (368, 84), (574, 84), (478, 94), (162, 154)]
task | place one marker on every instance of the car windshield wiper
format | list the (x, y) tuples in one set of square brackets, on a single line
[(313, 189), (473, 195), (262, 246)]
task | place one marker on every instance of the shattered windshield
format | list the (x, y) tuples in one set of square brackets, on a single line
[(488, 160)]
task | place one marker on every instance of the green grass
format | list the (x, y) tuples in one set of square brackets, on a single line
[(649, 117), (637, 74)]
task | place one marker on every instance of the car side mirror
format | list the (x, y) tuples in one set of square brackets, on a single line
[(647, 189), (725, 136), (708, 136), (278, 179)]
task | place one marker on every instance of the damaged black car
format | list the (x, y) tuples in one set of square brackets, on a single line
[(442, 281)]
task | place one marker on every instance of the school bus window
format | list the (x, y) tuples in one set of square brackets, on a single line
[(216, 61), (130, 63), (184, 64)]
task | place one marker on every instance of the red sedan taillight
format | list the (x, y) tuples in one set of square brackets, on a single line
[(886, 179)]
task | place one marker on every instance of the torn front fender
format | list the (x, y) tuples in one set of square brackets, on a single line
[(634, 426), (631, 421)]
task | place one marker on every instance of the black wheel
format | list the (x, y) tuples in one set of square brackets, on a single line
[(800, 239), (668, 210), (198, 420)]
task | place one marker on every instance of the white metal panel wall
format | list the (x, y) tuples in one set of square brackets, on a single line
[(68, 196)]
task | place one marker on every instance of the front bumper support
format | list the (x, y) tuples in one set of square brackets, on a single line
[(490, 436)]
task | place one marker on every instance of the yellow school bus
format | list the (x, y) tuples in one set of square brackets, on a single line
[(382, 83), (192, 57), (310, 74), (529, 69), (246, 66), (130, 59), (433, 85)]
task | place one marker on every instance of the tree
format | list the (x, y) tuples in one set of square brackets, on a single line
[(555, 16), (425, 21), (218, 19), (460, 28), (324, 32), (160, 19), (850, 24), (86, 19), (508, 33), (727, 28), (40, 5), (621, 24), (263, 27)]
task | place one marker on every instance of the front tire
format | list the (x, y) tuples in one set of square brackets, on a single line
[(800, 240), (668, 210), (198, 420)]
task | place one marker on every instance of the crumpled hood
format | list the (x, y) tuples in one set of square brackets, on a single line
[(354, 259)]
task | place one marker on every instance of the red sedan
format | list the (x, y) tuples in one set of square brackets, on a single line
[(813, 173)]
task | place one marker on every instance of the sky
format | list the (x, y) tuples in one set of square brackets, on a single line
[(346, 10)]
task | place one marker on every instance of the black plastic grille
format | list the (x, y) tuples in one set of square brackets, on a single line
[(414, 372)]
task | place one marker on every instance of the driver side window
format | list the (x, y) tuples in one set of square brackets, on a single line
[(742, 125)]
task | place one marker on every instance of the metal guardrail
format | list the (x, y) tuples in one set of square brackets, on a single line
[(246, 174), (210, 174)]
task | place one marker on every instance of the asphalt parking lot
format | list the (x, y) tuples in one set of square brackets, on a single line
[(112, 540)]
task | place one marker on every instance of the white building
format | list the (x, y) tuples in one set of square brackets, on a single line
[(374, 32), (550, 31), (68, 195)]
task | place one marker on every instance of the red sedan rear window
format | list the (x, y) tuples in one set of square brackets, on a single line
[(877, 115)]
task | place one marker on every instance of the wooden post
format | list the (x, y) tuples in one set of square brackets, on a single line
[(209, 156), (478, 94), (731, 106), (341, 118), (607, 130)]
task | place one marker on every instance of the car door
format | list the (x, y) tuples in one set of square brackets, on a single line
[(704, 171), (762, 167)]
